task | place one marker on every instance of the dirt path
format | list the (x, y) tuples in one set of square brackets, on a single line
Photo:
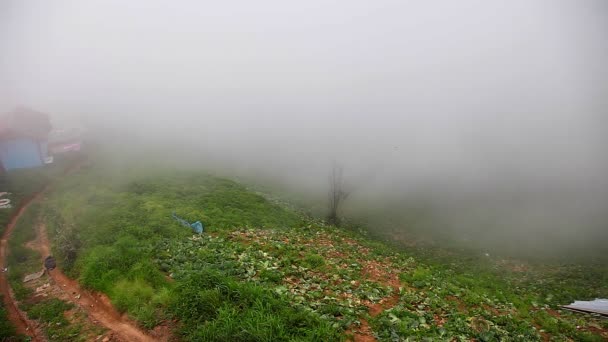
[(96, 305), (380, 273), (22, 324)]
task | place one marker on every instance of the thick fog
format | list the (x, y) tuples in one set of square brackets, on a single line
[(484, 121)]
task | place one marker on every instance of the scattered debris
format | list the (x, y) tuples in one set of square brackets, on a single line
[(43, 287), (598, 306), (33, 276), (5, 203), (50, 263)]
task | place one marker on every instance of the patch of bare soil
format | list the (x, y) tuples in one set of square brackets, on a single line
[(513, 266), (597, 331), (97, 305), (45, 288), (382, 273), (363, 333), (460, 304), (379, 271)]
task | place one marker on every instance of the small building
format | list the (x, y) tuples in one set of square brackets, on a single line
[(65, 140), (24, 139)]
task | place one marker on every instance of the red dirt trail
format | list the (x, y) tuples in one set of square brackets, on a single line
[(96, 305), (22, 324)]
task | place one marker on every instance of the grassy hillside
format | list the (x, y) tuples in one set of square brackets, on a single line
[(263, 272)]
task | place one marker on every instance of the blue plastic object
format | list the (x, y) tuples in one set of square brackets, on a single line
[(21, 154), (197, 226)]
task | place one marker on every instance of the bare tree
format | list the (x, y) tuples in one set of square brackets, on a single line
[(68, 243), (337, 193)]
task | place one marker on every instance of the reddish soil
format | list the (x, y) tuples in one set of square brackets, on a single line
[(381, 273), (364, 333), (493, 310), (461, 305), (96, 305), (44, 288), (439, 321), (598, 331), (22, 324), (554, 313)]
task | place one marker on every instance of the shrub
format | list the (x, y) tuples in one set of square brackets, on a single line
[(313, 260), (127, 295)]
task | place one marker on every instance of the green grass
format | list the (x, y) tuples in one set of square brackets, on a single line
[(22, 260), (215, 307), (313, 260), (265, 272), (22, 185), (6, 328), (120, 224), (50, 313)]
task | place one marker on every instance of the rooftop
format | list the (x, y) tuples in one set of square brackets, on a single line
[(24, 122)]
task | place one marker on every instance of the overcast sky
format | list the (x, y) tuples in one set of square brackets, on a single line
[(454, 93)]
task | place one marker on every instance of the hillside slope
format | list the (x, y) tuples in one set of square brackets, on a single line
[(262, 272)]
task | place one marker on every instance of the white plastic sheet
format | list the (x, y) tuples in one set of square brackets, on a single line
[(598, 306)]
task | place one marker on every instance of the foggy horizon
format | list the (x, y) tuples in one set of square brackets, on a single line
[(494, 112)]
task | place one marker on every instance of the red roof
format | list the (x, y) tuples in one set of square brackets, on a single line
[(25, 122)]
